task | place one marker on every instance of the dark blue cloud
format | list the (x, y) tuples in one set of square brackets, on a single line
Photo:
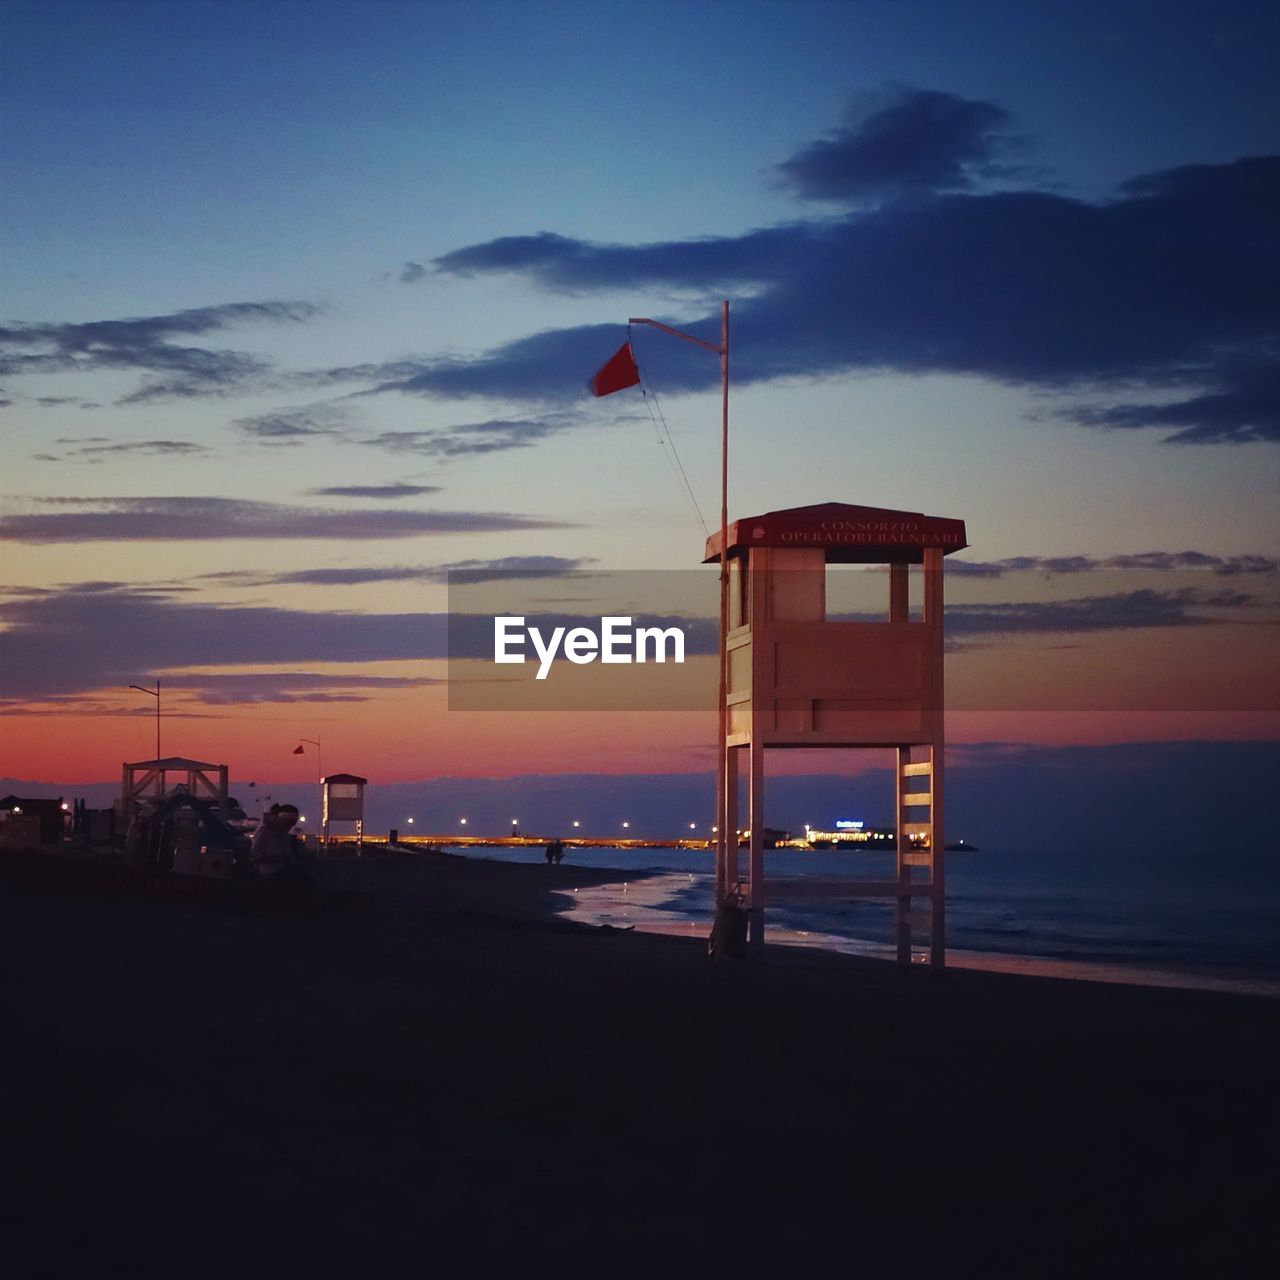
[(77, 640), (335, 577), (922, 141), (127, 448), (295, 425), (572, 266), (387, 491), (512, 568), (97, 635), (547, 366), (1130, 610), (501, 568), (147, 343), (1165, 299), (469, 439), (288, 686), (1243, 410), (200, 518), (1151, 561)]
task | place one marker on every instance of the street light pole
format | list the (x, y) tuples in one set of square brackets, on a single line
[(315, 742), (153, 693)]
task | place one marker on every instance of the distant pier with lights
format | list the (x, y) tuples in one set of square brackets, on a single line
[(844, 836), (420, 840)]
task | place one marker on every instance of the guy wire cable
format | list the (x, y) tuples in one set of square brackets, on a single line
[(650, 394)]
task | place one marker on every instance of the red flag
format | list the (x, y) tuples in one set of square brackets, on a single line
[(298, 751), (618, 373)]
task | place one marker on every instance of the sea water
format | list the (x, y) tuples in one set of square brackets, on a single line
[(1210, 917)]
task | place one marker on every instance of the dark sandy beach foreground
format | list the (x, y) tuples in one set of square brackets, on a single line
[(453, 1081)]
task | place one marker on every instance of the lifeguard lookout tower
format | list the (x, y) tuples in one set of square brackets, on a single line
[(799, 677), (342, 800)]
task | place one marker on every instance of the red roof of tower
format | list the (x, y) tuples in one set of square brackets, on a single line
[(849, 534)]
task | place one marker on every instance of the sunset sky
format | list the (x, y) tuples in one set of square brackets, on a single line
[(298, 302)]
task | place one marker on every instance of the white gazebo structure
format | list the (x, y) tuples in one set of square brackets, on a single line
[(148, 781), (798, 677)]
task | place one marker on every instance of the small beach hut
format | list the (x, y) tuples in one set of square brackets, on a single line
[(35, 820), (342, 800)]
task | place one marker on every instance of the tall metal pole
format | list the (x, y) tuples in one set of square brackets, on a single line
[(726, 832), (727, 822)]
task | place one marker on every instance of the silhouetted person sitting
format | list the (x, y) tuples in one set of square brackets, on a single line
[(274, 851)]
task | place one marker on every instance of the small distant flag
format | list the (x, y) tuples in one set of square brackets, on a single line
[(618, 373), (298, 751)]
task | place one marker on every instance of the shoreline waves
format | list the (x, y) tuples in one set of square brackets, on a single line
[(1042, 917), (642, 909)]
